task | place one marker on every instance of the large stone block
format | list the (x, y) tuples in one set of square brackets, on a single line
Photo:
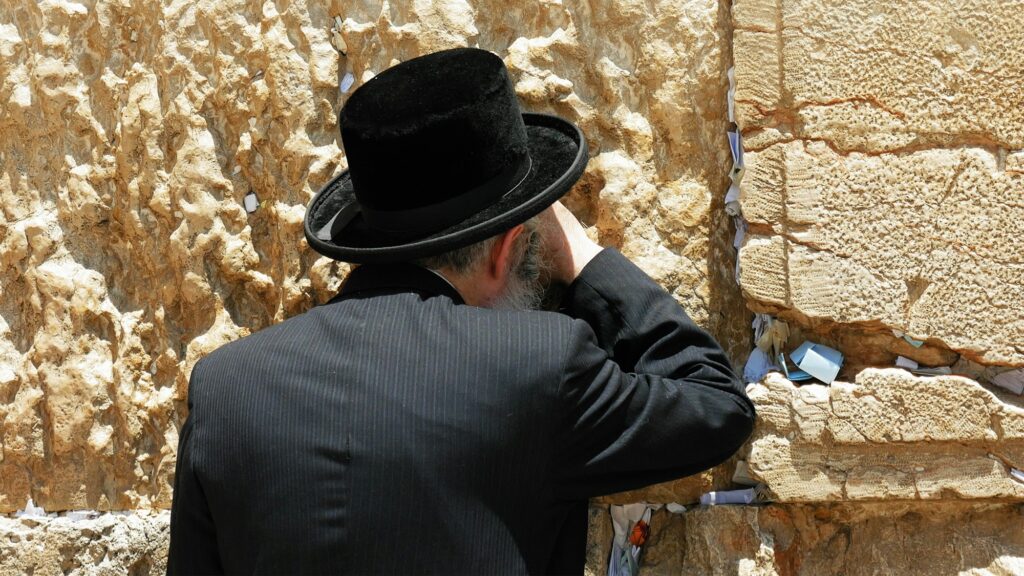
[(880, 76), (132, 132), (924, 242), (888, 436), (882, 184), (855, 540)]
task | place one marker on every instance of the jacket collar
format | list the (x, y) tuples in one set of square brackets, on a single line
[(396, 277)]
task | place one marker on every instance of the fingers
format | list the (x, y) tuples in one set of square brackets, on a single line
[(568, 245)]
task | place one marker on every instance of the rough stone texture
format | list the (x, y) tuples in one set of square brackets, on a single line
[(885, 154), (854, 540), (883, 187), (132, 131), (924, 242), (888, 436), (112, 544)]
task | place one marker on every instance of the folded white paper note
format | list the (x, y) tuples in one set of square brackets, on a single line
[(346, 82), (251, 202), (1012, 380), (755, 495), (732, 200), (773, 336), (911, 341), (818, 360), (907, 363), (736, 148), (933, 371)]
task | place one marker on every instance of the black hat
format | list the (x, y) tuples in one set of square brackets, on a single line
[(439, 157)]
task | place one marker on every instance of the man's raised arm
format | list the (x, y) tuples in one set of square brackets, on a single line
[(649, 396)]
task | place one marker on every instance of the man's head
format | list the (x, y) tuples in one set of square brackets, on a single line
[(441, 157), (505, 271)]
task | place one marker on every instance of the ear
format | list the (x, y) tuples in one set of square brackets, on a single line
[(501, 255)]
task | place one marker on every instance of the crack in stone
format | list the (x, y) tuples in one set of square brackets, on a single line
[(973, 141), (868, 99)]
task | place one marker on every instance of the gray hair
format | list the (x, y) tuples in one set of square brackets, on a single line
[(468, 258)]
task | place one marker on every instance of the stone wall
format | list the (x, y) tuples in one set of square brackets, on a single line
[(884, 185)]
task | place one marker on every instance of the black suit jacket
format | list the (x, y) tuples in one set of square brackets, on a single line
[(396, 430)]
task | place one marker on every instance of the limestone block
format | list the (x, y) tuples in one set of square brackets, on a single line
[(888, 436), (882, 178), (855, 540), (875, 76), (925, 242), (133, 131), (111, 544)]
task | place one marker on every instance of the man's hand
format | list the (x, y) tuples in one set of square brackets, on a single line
[(566, 245)]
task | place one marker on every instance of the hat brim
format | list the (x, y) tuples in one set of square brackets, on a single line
[(559, 154)]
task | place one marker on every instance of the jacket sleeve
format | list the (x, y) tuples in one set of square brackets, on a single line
[(193, 548), (649, 396)]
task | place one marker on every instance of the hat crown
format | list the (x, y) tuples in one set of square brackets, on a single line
[(430, 130)]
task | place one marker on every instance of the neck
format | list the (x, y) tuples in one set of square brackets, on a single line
[(465, 287)]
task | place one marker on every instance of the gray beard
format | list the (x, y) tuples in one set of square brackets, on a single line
[(524, 289), (520, 295)]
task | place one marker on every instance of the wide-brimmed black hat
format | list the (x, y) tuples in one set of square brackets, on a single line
[(439, 157)]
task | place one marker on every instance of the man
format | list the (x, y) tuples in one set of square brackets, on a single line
[(419, 422)]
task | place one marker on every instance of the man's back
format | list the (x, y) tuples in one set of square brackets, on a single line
[(396, 430), (379, 433)]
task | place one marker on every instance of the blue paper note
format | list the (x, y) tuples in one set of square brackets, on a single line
[(823, 363), (798, 354), (818, 361), (792, 375)]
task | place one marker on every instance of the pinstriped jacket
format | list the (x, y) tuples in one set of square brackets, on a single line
[(396, 430)]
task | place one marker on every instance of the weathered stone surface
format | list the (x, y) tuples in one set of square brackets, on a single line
[(132, 544), (923, 242), (131, 133), (883, 190), (882, 186), (938, 539), (880, 76), (888, 436), (852, 539)]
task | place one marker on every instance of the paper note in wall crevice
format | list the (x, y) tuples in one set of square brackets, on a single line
[(933, 371), (906, 363), (792, 375), (1012, 380), (732, 94), (630, 524), (346, 82), (251, 202), (817, 361), (732, 200), (770, 334), (741, 475), (758, 365), (756, 495), (736, 148), (741, 232), (913, 342)]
